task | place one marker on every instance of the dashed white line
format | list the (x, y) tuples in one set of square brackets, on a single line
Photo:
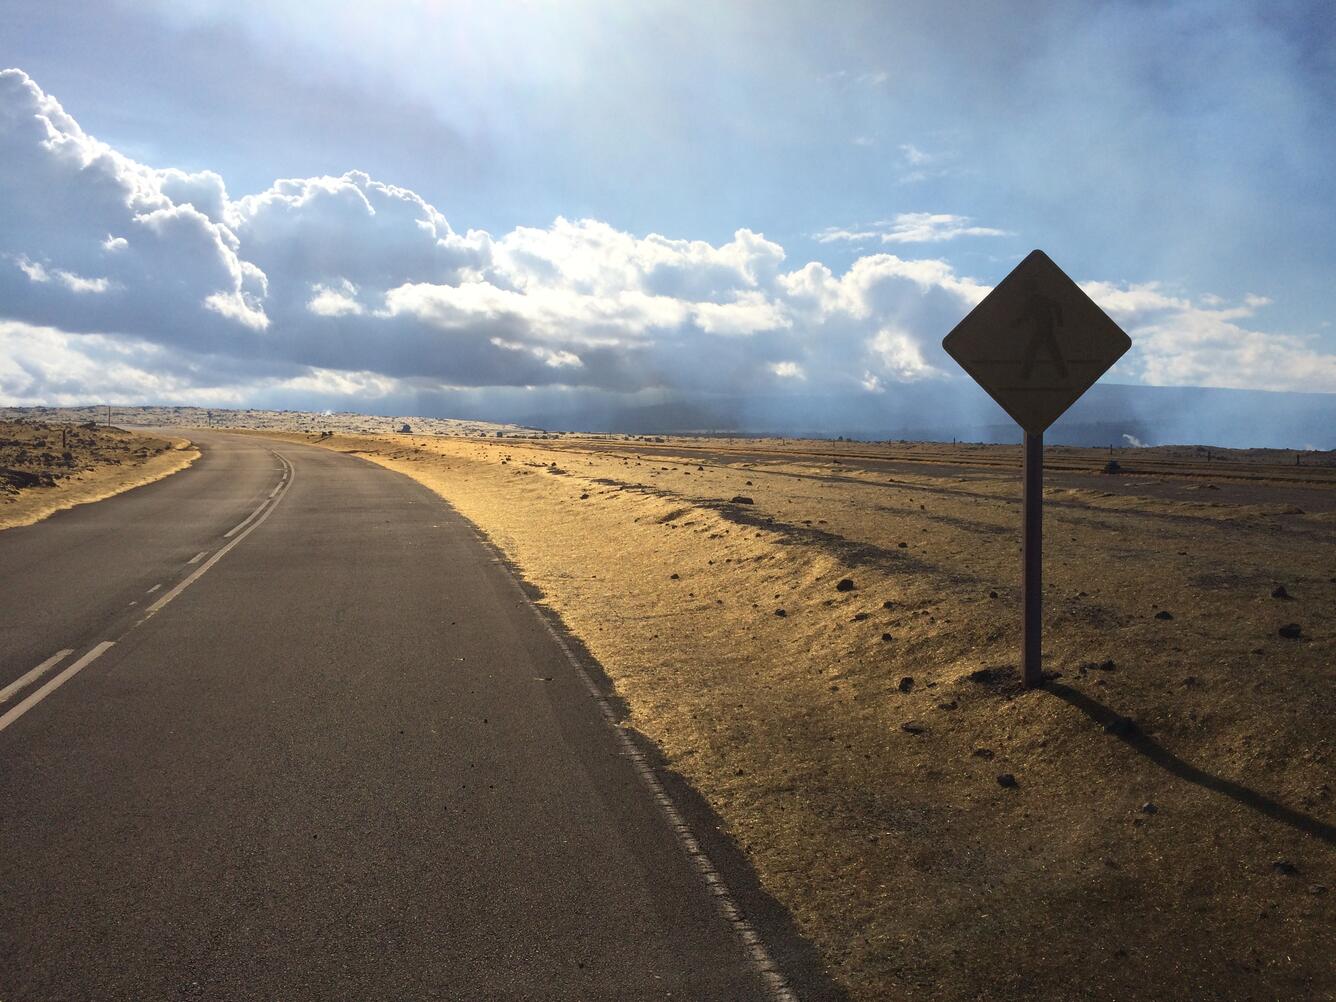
[(32, 700), (204, 567), (54, 684), (197, 557), (35, 674)]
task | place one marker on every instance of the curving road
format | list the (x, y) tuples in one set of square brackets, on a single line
[(281, 727)]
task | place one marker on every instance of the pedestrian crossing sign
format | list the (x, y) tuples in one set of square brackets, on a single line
[(1036, 343)]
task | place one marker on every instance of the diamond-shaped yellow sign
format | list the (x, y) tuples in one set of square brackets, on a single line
[(1036, 343)]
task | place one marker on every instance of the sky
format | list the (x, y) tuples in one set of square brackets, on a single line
[(424, 206)]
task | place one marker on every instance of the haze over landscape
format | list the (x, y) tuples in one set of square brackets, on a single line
[(761, 218)]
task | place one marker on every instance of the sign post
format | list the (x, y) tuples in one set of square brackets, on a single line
[(1032, 560), (1035, 344)]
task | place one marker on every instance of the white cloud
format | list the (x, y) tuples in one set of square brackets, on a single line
[(62, 193), (333, 286), (749, 313), (902, 356), (911, 228), (32, 269), (1182, 343), (929, 227), (328, 301), (35, 271)]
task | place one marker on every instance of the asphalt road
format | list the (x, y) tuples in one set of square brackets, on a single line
[(334, 754)]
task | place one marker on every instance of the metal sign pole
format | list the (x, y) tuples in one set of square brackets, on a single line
[(1032, 561)]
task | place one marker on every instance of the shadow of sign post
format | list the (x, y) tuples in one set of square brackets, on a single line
[(1035, 344)]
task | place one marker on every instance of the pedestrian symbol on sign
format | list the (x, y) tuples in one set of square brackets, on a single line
[(1044, 316)]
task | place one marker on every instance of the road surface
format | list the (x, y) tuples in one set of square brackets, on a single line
[(282, 727)]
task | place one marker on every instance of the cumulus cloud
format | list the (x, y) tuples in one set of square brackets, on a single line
[(1180, 342), (121, 281)]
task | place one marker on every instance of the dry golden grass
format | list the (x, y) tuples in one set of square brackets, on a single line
[(77, 464), (1172, 830)]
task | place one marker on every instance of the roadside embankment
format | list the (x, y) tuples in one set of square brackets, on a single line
[(45, 468)]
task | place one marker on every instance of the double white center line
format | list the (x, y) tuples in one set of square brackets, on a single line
[(256, 517), (55, 683)]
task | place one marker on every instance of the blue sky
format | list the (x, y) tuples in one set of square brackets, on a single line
[(1175, 158)]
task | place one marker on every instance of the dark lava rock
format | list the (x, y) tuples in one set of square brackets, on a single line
[(1124, 727), (780, 613), (906, 683), (844, 584), (903, 546), (992, 594), (750, 484), (1290, 631), (859, 617), (674, 577), (1164, 614), (886, 637), (888, 604), (983, 753), (740, 499), (909, 727), (22, 478), (1280, 592), (950, 704), (584, 497), (1317, 889), (1149, 808), (1284, 867), (1107, 665), (1007, 780)]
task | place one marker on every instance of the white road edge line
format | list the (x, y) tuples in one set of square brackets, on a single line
[(727, 906), (197, 557), (204, 567), (54, 684), (35, 674)]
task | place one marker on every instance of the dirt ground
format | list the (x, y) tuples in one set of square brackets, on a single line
[(47, 467), (1157, 823)]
